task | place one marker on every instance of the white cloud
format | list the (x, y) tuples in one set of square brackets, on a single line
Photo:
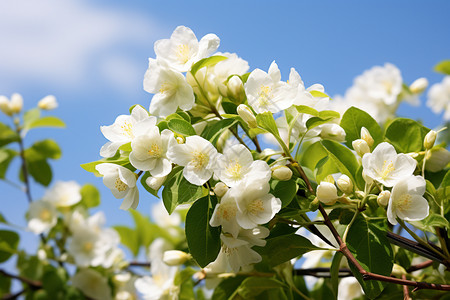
[(65, 43)]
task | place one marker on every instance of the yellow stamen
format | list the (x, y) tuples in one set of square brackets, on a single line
[(403, 203), (183, 53), (155, 151), (199, 160), (255, 207), (45, 215), (265, 95), (127, 129), (120, 185), (235, 170), (88, 246), (387, 169)]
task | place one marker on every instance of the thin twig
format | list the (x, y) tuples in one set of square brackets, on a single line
[(322, 272), (139, 264), (31, 283), (420, 266), (405, 290), (13, 296)]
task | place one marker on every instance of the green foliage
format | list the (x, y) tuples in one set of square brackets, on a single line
[(53, 281), (443, 67), (49, 121), (206, 62), (178, 190), (213, 131), (252, 287), (6, 156), (203, 240), (8, 244), (129, 238), (433, 220), (7, 135), (90, 196), (46, 149), (284, 190), (406, 135), (353, 120), (5, 285), (283, 248), (227, 288), (371, 248), (266, 121), (181, 126), (342, 158), (118, 159), (145, 185)]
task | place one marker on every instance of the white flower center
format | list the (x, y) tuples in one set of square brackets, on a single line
[(88, 246), (403, 203), (235, 170), (183, 53), (264, 96), (127, 129), (387, 169), (388, 86), (255, 207), (229, 251), (166, 88), (155, 151), (45, 215), (120, 185), (199, 160), (228, 211)]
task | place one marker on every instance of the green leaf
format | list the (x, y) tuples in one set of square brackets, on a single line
[(227, 287), (2, 219), (121, 160), (5, 285), (283, 248), (253, 286), (318, 94), (229, 107), (182, 127), (443, 67), (213, 131), (133, 106), (316, 121), (8, 244), (266, 121), (353, 120), (203, 240), (53, 281), (372, 250), (40, 170), (325, 114), (342, 157), (90, 196), (303, 109), (47, 149), (46, 122), (145, 229), (129, 238), (7, 135), (145, 185), (284, 190), (334, 270), (431, 221), (31, 116), (30, 267), (406, 135), (6, 156), (207, 62), (178, 190), (446, 181), (126, 147)]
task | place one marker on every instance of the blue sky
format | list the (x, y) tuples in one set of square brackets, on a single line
[(92, 56)]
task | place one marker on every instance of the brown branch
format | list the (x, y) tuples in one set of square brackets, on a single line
[(139, 264), (420, 266), (406, 295), (31, 283), (13, 296), (322, 272)]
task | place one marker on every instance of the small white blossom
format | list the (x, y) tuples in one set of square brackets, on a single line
[(439, 97), (123, 130), (282, 173), (386, 166), (361, 147), (13, 106), (155, 183), (170, 88), (42, 216), (225, 214), (121, 182), (175, 257), (419, 85), (345, 184), (220, 189), (407, 201), (383, 198), (197, 156), (92, 284), (183, 49), (48, 103), (429, 139), (437, 159), (327, 192), (332, 132), (349, 288), (366, 136), (63, 194)]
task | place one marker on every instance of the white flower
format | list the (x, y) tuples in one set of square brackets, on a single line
[(170, 88), (220, 189), (225, 215), (366, 136), (63, 194), (266, 91), (92, 284), (345, 184), (361, 147), (349, 288), (255, 236), (430, 138), (383, 198), (419, 85), (42, 216), (237, 163), (155, 183), (238, 252), (327, 192), (247, 115), (439, 97), (175, 257), (437, 159), (332, 132), (386, 166), (48, 103), (197, 156), (149, 151), (406, 200), (282, 173), (13, 106), (255, 205), (121, 182), (123, 130), (183, 49)]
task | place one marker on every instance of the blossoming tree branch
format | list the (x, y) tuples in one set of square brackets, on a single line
[(267, 189)]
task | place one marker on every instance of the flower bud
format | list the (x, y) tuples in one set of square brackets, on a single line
[(383, 198), (155, 182), (16, 103), (236, 88), (365, 135), (419, 85), (398, 270), (180, 140), (361, 147), (175, 257), (327, 193), (366, 178), (345, 184), (437, 159), (247, 115), (4, 106), (220, 189), (282, 173), (429, 139), (332, 132), (48, 103)]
